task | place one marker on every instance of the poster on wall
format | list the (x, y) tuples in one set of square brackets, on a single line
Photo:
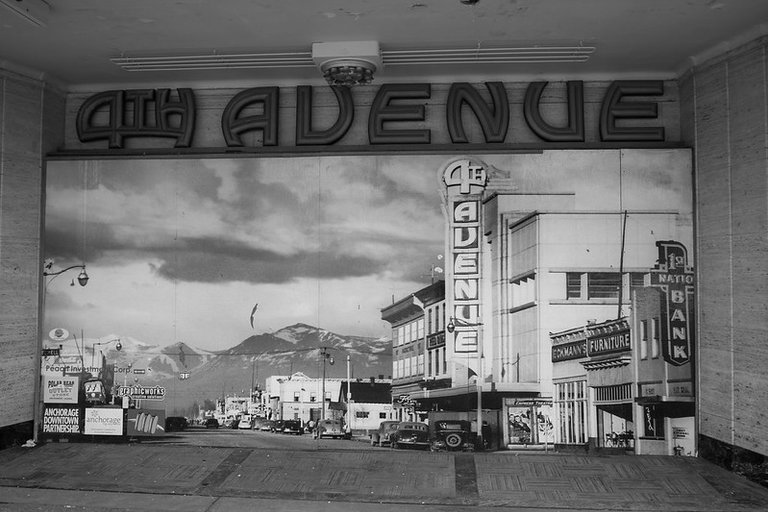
[(103, 421), (60, 390), (194, 262)]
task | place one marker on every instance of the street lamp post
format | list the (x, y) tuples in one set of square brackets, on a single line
[(326, 357), (82, 277), (118, 347), (450, 327)]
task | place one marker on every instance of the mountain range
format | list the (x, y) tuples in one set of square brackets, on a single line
[(191, 375)]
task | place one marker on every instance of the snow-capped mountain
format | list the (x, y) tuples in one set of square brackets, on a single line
[(192, 375)]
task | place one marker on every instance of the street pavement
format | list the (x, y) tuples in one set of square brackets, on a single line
[(178, 477)]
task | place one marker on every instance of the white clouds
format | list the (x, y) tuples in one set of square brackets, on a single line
[(181, 250)]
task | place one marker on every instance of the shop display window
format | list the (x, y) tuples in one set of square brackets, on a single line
[(653, 422), (571, 411)]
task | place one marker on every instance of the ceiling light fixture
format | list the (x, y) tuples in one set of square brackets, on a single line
[(34, 11), (347, 63), (330, 55)]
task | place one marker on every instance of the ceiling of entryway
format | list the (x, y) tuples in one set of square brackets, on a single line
[(81, 39)]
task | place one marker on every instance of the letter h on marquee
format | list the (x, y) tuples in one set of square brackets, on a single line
[(674, 278)]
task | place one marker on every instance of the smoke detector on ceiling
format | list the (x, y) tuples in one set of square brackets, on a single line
[(347, 63)]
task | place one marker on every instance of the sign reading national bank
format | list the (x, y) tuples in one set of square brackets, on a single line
[(673, 275)]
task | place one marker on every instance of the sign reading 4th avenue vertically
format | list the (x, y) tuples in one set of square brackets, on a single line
[(674, 277), (465, 182)]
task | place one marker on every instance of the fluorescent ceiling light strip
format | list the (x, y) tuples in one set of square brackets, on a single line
[(192, 66), (531, 60), (442, 58), (216, 61), (532, 54), (584, 49), (294, 55)]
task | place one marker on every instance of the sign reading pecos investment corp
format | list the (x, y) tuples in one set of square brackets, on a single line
[(116, 115)]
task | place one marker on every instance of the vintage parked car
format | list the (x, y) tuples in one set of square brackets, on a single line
[(410, 434), (382, 435), (292, 427), (267, 426), (211, 423), (330, 428), (175, 423), (277, 426), (245, 423), (452, 435)]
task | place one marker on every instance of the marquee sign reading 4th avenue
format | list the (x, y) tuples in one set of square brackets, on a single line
[(674, 277)]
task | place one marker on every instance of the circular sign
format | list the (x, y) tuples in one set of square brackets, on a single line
[(58, 334)]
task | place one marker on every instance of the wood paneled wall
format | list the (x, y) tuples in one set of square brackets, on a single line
[(724, 111), (31, 124)]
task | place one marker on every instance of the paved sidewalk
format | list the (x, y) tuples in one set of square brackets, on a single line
[(114, 477)]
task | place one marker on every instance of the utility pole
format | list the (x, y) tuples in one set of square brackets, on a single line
[(349, 398), (326, 357)]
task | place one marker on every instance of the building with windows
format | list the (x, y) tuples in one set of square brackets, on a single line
[(419, 358), (368, 403), (628, 383), (527, 258), (544, 229), (297, 397)]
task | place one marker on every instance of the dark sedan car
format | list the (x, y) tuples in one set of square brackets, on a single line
[(292, 427), (175, 423), (211, 423), (452, 435), (411, 434)]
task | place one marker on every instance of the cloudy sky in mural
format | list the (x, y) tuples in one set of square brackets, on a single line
[(182, 250)]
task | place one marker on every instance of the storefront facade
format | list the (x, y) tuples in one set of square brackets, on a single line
[(50, 116), (627, 383)]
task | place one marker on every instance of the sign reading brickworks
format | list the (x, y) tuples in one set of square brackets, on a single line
[(674, 277), (465, 181)]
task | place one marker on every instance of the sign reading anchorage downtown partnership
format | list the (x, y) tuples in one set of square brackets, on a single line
[(465, 182)]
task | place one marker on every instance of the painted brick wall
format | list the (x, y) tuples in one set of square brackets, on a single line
[(25, 135), (724, 111)]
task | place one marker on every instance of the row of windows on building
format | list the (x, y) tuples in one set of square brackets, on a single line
[(437, 364), (580, 286), (601, 285), (413, 331), (649, 338), (312, 396)]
